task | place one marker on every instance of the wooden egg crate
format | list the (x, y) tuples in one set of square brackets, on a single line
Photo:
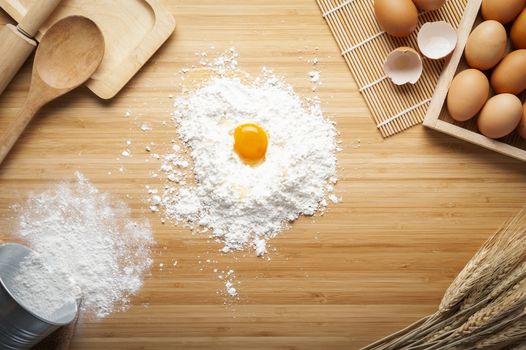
[(437, 116)]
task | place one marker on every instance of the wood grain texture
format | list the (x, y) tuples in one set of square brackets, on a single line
[(415, 207)]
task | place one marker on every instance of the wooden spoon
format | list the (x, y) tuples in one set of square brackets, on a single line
[(68, 55)]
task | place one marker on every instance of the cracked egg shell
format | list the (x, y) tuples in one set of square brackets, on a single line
[(436, 40), (403, 65)]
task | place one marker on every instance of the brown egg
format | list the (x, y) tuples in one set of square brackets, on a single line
[(503, 11), (522, 126), (429, 5), (468, 93), (500, 116), (486, 45), (518, 31), (510, 74), (397, 18)]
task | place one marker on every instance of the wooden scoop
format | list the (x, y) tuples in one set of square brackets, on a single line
[(68, 54)]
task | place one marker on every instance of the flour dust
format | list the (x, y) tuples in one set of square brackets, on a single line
[(81, 232)]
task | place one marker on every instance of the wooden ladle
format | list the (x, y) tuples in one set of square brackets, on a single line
[(68, 55)]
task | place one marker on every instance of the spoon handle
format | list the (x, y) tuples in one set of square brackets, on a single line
[(13, 132)]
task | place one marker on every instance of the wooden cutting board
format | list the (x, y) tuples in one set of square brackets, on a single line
[(133, 31), (415, 207)]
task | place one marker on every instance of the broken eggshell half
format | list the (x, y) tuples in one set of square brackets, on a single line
[(403, 65), (436, 40)]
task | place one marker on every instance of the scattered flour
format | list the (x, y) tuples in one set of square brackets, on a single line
[(146, 127), (246, 205), (230, 289), (41, 289), (314, 76), (75, 229)]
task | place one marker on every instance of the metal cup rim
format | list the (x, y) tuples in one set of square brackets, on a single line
[(19, 303)]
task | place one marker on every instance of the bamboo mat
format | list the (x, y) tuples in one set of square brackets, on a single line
[(364, 47)]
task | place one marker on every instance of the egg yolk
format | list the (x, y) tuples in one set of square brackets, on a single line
[(250, 143)]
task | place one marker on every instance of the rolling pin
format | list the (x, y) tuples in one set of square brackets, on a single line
[(17, 43)]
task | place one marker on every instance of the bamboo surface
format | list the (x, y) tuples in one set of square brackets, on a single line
[(415, 207), (364, 46)]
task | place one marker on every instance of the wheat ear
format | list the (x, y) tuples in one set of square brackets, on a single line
[(514, 333), (482, 266)]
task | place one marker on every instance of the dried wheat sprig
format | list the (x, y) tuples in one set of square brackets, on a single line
[(505, 263), (514, 333), (513, 279), (517, 347), (463, 341), (440, 325), (433, 322), (420, 337), (513, 269), (482, 265), (486, 297), (384, 343), (446, 327), (436, 327), (512, 300)]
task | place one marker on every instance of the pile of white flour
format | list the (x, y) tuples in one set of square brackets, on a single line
[(76, 230), (245, 205)]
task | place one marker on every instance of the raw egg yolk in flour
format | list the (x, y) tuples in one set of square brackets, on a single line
[(250, 143)]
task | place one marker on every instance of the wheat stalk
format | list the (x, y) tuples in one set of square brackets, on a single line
[(507, 336), (513, 268), (513, 278), (510, 301), (437, 332), (517, 347), (487, 300), (487, 260), (460, 341)]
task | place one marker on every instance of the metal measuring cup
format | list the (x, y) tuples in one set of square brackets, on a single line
[(19, 327)]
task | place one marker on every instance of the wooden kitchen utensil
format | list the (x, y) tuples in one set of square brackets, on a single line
[(133, 31), (16, 42), (69, 53)]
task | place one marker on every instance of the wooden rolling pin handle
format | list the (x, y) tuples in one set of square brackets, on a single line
[(18, 125), (36, 16), (17, 47)]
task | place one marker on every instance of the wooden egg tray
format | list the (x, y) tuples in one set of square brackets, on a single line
[(438, 117)]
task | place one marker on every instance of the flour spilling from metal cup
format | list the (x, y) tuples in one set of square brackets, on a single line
[(23, 323)]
